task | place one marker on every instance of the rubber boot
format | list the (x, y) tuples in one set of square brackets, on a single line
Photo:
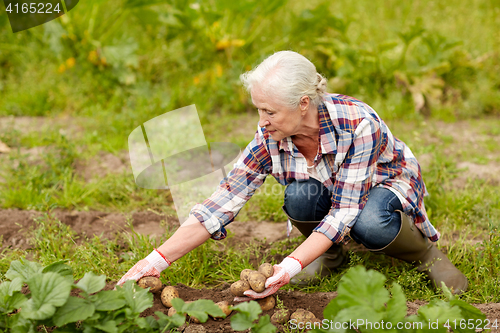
[(412, 246), (324, 264)]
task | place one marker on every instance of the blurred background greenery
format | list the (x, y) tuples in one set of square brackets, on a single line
[(131, 60), (111, 65)]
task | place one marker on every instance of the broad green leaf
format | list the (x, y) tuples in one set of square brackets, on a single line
[(331, 310), (11, 303), (178, 305), (241, 321), (23, 269), (48, 291), (142, 323), (20, 325), (264, 325), (167, 323), (247, 313), (108, 300), (59, 267), (73, 310), (72, 328), (37, 311), (125, 326), (396, 307), (439, 310), (95, 316), (420, 325), (252, 309), (360, 314), (109, 326), (152, 322), (468, 312), (8, 288), (91, 283), (138, 299), (201, 308), (359, 287)]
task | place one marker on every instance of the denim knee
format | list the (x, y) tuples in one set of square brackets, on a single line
[(301, 199), (379, 222)]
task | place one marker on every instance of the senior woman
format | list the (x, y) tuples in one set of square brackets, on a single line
[(346, 176)]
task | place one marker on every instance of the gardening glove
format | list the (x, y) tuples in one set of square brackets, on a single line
[(283, 272), (152, 265)]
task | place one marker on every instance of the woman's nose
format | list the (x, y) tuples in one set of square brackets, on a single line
[(263, 121)]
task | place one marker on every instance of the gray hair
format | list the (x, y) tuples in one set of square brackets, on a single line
[(287, 76)]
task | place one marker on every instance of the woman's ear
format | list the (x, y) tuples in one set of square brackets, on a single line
[(304, 103)]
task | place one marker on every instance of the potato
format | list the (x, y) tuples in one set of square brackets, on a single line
[(150, 282), (303, 316), (266, 269), (195, 329), (267, 303), (316, 323), (168, 294), (280, 317), (257, 282), (239, 287), (224, 306), (245, 273)]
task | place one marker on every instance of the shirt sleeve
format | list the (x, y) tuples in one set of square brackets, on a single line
[(248, 174), (353, 181)]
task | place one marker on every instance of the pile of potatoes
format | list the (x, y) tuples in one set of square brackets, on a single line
[(170, 292), (250, 279), (255, 280)]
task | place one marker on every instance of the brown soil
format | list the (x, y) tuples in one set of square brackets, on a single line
[(292, 300), (14, 225)]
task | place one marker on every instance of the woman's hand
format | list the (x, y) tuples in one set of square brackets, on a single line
[(283, 272), (152, 265)]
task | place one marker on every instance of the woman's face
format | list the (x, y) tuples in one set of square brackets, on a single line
[(279, 121)]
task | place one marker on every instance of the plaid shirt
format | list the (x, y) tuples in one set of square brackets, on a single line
[(357, 152)]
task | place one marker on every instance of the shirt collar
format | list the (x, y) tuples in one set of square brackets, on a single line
[(327, 138), (326, 134)]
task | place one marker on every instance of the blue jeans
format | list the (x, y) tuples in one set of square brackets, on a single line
[(377, 225)]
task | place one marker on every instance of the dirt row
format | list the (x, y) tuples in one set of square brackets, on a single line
[(292, 300), (15, 225)]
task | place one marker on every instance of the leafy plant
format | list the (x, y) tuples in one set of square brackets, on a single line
[(199, 309), (365, 305), (248, 313), (50, 304)]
